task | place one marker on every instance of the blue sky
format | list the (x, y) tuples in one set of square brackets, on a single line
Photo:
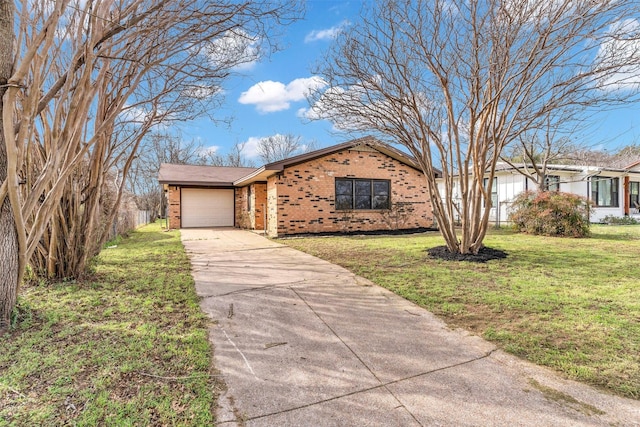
[(268, 97)]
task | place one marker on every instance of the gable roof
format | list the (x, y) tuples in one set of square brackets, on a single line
[(229, 176), (633, 165), (269, 169), (200, 175)]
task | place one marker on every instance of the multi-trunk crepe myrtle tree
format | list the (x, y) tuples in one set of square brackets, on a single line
[(81, 84), (455, 82)]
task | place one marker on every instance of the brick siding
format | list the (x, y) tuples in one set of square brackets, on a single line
[(174, 206), (302, 198)]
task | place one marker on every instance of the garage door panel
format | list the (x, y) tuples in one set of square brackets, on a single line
[(205, 207)]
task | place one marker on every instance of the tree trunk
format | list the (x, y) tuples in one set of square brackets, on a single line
[(9, 266)]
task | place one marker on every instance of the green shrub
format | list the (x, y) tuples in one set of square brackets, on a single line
[(617, 220), (551, 213)]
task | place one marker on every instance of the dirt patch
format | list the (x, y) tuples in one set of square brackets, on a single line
[(485, 254)]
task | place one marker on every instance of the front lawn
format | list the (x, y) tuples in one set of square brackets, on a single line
[(127, 347), (570, 304)]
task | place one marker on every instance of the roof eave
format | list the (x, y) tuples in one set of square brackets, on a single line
[(260, 174), (197, 183)]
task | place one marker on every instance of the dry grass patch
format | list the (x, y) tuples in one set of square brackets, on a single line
[(127, 347)]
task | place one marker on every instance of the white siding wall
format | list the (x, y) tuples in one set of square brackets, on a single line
[(510, 184)]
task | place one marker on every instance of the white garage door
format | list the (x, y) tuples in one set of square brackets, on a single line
[(203, 207)]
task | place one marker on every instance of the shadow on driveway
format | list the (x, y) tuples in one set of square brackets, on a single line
[(303, 342)]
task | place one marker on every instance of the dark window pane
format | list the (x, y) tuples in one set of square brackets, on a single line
[(381, 202), (344, 202), (380, 195), (363, 188), (381, 188), (363, 202), (344, 186)]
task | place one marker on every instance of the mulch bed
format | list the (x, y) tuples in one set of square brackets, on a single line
[(485, 254)]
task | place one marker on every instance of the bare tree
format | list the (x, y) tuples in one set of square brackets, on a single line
[(533, 152), (626, 156), (279, 147), (234, 158), (77, 67), (156, 148), (456, 82)]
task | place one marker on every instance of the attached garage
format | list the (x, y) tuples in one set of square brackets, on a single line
[(206, 207), (200, 196)]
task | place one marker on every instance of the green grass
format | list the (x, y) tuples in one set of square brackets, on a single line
[(127, 347), (570, 304)]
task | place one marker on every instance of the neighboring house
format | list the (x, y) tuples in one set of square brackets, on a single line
[(360, 185), (614, 192)]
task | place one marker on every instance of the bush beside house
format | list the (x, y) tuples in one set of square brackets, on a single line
[(551, 213)]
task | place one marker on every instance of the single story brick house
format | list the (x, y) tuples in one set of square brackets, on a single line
[(360, 185)]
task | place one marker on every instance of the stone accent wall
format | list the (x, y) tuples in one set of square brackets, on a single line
[(173, 198), (272, 205), (252, 219), (243, 217), (305, 195)]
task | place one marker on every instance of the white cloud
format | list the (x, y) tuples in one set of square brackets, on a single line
[(326, 34), (357, 108), (235, 49), (210, 150), (133, 114), (327, 107), (269, 96), (250, 147)]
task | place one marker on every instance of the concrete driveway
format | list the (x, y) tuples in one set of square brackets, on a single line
[(302, 342)]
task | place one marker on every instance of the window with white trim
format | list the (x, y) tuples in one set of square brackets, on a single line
[(604, 191)]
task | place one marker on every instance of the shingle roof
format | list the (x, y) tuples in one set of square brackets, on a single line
[(201, 175), (228, 176), (366, 140)]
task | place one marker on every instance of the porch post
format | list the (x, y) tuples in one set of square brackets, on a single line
[(626, 195)]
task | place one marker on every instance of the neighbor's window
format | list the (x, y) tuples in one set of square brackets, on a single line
[(634, 194), (362, 194), (604, 191), (249, 198), (494, 191), (552, 182)]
